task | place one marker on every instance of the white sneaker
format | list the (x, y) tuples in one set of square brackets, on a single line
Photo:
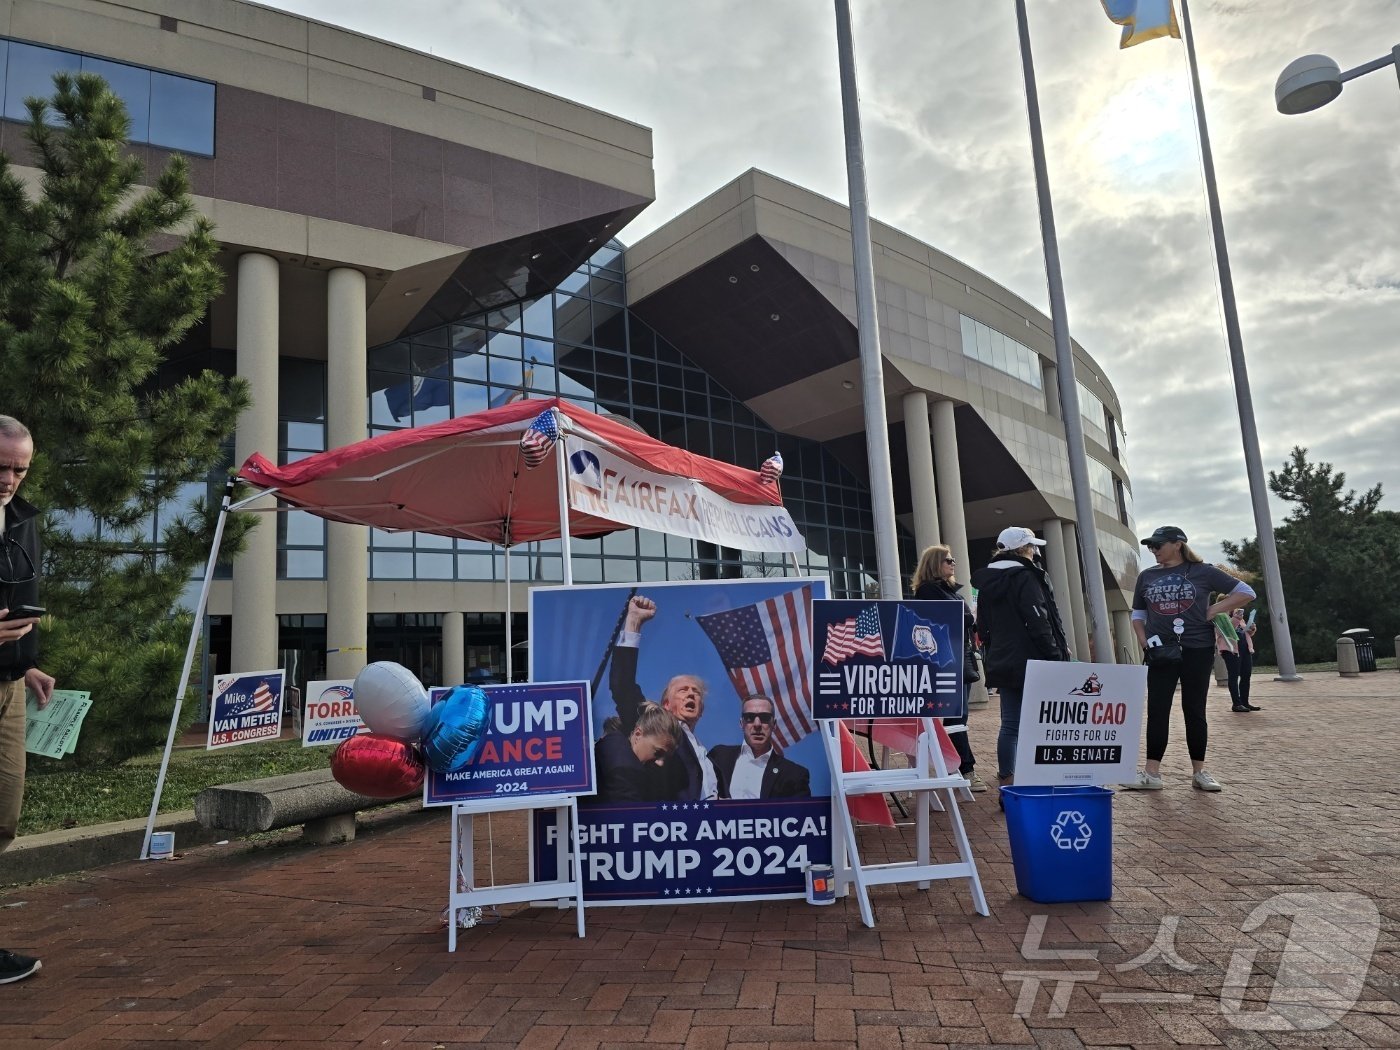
[(1205, 782), (1145, 781), (974, 781)]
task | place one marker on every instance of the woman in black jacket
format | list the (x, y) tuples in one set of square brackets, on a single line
[(1017, 621), (935, 579)]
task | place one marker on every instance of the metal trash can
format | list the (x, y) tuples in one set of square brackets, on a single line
[(1364, 641)]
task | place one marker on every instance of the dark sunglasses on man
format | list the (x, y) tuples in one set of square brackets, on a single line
[(758, 716)]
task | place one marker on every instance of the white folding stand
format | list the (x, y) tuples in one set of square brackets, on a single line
[(565, 809), (927, 778)]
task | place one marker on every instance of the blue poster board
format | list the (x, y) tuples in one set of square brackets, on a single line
[(662, 827), (539, 742), (887, 659)]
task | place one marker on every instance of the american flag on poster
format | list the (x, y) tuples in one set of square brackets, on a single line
[(855, 634), (767, 649), (536, 442)]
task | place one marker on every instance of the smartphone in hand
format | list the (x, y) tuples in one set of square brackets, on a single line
[(25, 612)]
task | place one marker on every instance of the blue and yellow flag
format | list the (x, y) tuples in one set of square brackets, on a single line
[(1142, 20)]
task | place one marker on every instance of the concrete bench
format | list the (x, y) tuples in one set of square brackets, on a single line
[(313, 799)]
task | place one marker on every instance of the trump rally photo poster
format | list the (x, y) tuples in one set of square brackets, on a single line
[(712, 780)]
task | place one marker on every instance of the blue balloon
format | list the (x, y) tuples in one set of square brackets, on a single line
[(455, 728)]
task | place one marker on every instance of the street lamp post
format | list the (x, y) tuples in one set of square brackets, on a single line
[(1310, 82)]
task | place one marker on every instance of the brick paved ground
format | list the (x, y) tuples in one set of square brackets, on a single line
[(248, 947)]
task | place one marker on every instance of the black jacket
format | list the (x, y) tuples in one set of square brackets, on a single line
[(1016, 619), (622, 777), (782, 777), (22, 528), (682, 775)]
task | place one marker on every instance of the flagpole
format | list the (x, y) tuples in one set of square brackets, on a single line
[(1064, 361), (1249, 432), (877, 438)]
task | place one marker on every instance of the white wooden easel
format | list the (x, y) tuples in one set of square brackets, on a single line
[(928, 778), (565, 809)]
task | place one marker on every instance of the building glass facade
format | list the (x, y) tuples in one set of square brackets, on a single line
[(581, 343)]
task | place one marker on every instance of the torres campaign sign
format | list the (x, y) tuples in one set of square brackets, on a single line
[(330, 714), (712, 784), (245, 708), (1080, 723), (608, 486), (887, 659), (539, 741)]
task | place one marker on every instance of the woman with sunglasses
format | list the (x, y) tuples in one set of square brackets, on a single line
[(1173, 621), (1018, 622), (936, 579)]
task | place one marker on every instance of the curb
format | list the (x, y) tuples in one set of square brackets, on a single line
[(78, 849), (53, 853)]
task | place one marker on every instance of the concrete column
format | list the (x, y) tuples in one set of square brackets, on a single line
[(1056, 560), (1126, 649), (921, 484), (1050, 379), (1076, 593), (347, 566), (254, 642), (454, 648), (950, 497)]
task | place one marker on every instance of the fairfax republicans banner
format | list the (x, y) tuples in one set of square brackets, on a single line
[(539, 741), (330, 714), (1080, 723), (712, 784), (888, 659), (607, 486), (246, 708)]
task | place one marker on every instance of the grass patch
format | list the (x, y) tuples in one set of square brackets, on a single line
[(76, 798)]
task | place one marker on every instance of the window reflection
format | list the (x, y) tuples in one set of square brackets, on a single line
[(167, 110), (30, 75)]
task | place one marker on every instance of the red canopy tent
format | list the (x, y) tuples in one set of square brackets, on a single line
[(468, 478), (471, 477)]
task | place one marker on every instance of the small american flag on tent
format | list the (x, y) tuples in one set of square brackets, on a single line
[(855, 634), (536, 442), (264, 700), (767, 649), (772, 468)]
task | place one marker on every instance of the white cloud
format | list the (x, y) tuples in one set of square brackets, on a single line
[(1309, 201)]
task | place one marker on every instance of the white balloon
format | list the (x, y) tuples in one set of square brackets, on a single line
[(391, 700)]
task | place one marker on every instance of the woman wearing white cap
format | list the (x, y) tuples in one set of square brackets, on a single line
[(1172, 619), (1017, 621)]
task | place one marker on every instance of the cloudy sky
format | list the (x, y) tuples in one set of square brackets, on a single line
[(1310, 201)]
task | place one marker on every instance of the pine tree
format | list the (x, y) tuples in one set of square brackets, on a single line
[(98, 280), (1339, 554)]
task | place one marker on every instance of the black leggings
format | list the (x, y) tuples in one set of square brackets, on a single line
[(1194, 673)]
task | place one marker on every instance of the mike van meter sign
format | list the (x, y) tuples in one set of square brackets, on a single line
[(712, 781), (246, 708), (330, 715), (887, 659), (539, 741), (1080, 723)]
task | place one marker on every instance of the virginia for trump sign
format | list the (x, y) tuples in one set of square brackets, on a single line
[(887, 659)]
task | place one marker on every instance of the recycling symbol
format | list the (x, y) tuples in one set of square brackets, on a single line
[(1070, 830)]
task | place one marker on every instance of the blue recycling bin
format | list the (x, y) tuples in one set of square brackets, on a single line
[(1061, 842)]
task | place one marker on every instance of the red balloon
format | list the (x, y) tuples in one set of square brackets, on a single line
[(377, 766)]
